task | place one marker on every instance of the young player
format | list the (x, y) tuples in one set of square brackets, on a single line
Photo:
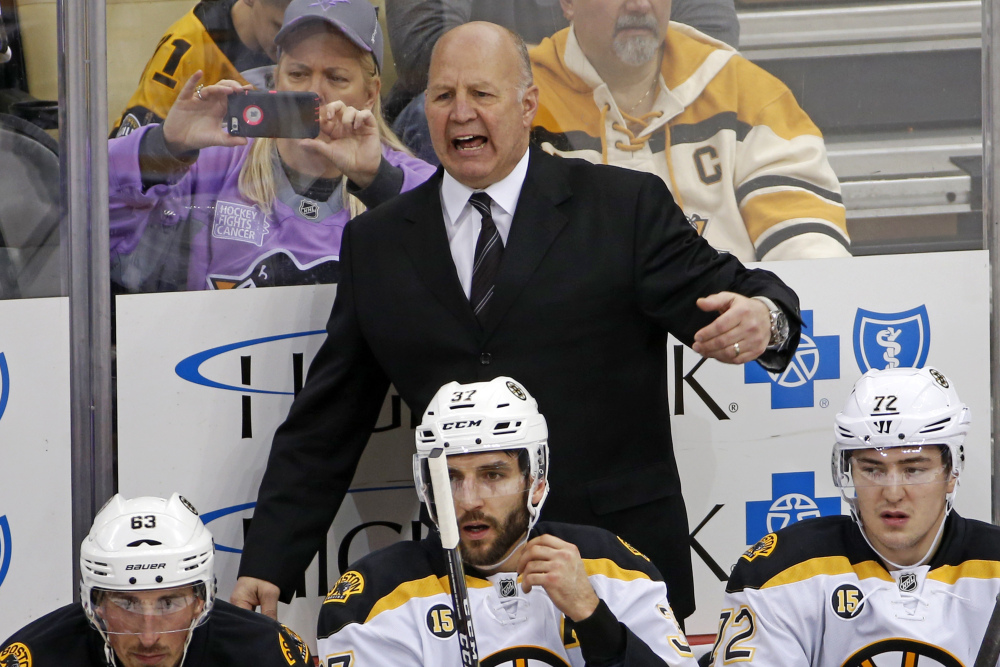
[(225, 39), (904, 580), (540, 593), (147, 593)]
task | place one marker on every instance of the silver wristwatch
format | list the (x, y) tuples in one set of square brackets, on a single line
[(779, 328)]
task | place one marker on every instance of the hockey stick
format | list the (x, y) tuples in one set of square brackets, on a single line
[(437, 462), (989, 650)]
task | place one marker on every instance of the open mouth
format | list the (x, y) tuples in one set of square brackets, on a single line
[(475, 530), (469, 142)]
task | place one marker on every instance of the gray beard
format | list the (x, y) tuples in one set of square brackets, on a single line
[(637, 50)]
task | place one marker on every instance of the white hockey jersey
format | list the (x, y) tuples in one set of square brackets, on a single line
[(816, 594), (393, 607)]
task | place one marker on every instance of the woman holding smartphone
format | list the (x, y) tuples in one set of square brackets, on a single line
[(193, 207)]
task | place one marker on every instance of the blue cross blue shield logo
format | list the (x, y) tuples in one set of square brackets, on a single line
[(891, 340), (4, 384), (793, 499), (5, 544), (816, 358)]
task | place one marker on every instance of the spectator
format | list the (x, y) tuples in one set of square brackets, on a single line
[(583, 270), (739, 155), (268, 211), (416, 25), (574, 580), (147, 589), (221, 38), (904, 579)]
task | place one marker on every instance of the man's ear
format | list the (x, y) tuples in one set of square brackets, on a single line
[(952, 481), (536, 496), (567, 7), (530, 105)]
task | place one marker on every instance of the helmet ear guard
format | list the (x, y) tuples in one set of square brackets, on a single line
[(495, 416)]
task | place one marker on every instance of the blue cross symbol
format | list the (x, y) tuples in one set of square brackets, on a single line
[(793, 499), (817, 358)]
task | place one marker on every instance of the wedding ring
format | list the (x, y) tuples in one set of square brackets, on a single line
[(197, 91), (736, 349)]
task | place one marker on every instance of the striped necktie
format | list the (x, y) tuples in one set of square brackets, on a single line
[(489, 250)]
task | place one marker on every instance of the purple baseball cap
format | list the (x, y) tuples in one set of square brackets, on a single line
[(357, 19)]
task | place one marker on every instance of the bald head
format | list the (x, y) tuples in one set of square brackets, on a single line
[(485, 37), (480, 102)]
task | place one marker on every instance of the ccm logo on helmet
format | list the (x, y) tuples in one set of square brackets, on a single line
[(146, 566), (462, 424)]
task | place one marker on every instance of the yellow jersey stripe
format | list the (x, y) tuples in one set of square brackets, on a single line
[(764, 211), (828, 565)]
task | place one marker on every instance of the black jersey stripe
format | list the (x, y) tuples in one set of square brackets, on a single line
[(693, 133), (793, 230), (773, 181)]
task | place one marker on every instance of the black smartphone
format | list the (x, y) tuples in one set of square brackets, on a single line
[(255, 113)]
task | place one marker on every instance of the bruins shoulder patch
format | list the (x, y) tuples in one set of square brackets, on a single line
[(763, 548), (633, 549), (15, 655), (129, 125), (350, 583), (294, 650)]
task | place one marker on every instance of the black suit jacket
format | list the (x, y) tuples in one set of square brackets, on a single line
[(599, 265)]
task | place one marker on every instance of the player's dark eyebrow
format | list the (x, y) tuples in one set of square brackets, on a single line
[(502, 465), (496, 465), (916, 458)]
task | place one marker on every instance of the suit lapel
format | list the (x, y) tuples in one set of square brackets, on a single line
[(536, 224), (426, 242)]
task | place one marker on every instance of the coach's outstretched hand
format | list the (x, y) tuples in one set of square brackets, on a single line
[(249, 593), (556, 566), (739, 334)]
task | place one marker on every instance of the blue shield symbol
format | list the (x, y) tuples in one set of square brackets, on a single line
[(891, 340), (4, 548)]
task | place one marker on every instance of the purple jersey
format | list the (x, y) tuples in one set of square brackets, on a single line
[(203, 223)]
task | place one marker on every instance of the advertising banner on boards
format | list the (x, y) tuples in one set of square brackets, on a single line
[(36, 557), (205, 378)]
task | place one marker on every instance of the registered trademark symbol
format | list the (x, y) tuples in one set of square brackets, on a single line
[(733, 407), (824, 403)]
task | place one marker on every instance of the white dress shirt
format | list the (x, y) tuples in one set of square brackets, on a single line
[(463, 222)]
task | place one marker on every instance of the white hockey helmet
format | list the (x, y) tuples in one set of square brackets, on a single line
[(499, 415), (900, 407), (146, 544)]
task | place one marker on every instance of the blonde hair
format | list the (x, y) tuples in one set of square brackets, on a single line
[(257, 177)]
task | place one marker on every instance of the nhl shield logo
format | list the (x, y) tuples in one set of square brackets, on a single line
[(508, 588), (891, 340), (308, 209), (908, 582)]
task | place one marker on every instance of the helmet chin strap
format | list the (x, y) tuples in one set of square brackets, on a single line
[(187, 642), (497, 565)]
